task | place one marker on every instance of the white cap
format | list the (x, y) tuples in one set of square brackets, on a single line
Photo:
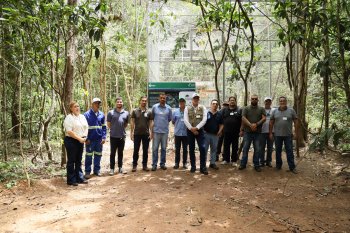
[(195, 95), (268, 98), (96, 100)]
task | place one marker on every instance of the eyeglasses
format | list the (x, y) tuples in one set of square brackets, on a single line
[(214, 103)]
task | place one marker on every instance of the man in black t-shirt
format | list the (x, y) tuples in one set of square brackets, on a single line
[(221, 138), (232, 123), (140, 132)]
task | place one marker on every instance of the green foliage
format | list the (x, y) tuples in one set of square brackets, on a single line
[(338, 137), (10, 172)]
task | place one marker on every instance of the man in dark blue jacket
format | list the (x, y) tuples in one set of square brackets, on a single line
[(96, 137)]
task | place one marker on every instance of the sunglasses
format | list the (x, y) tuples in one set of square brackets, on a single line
[(254, 98)]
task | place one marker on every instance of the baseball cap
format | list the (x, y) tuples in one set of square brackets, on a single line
[(182, 100), (268, 98), (94, 100), (195, 95), (225, 103)]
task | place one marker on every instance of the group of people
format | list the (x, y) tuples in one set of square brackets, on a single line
[(192, 123)]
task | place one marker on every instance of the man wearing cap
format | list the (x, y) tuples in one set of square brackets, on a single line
[(180, 133), (162, 114), (140, 132), (253, 116), (95, 139), (213, 130), (232, 123), (195, 117), (265, 139), (221, 138)]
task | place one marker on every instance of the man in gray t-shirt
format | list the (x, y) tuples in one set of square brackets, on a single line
[(253, 117), (282, 121), (117, 121)]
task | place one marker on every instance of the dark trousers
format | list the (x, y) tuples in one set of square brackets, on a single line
[(145, 144), (178, 141), (231, 140), (74, 155), (218, 150), (117, 144), (200, 138), (267, 143)]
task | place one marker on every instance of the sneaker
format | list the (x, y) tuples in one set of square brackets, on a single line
[(111, 172), (258, 169), (145, 168), (122, 171), (184, 167), (268, 164), (294, 171), (213, 166), (234, 164), (97, 173), (83, 182), (224, 162), (204, 171), (87, 176), (154, 168), (163, 167), (176, 166), (133, 169), (241, 167), (193, 169)]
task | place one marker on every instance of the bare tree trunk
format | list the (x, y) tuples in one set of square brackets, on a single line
[(103, 61), (24, 157), (126, 87), (4, 113), (69, 76)]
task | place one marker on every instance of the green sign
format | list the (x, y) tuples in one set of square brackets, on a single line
[(179, 86)]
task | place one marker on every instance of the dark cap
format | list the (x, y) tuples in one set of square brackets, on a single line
[(182, 100), (225, 103)]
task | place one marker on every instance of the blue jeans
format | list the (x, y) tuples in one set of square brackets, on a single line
[(93, 149), (178, 141), (159, 138), (200, 138), (288, 145), (268, 143), (212, 141), (248, 139)]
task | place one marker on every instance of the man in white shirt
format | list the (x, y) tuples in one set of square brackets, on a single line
[(195, 117)]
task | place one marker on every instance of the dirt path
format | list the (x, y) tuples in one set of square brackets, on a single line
[(229, 200)]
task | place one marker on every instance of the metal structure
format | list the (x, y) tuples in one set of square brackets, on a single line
[(195, 63)]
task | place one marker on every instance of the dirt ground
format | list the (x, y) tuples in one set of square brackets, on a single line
[(228, 200)]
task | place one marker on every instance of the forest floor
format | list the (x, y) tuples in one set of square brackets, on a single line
[(228, 200)]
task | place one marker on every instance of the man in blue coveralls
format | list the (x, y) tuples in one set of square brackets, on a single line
[(95, 139)]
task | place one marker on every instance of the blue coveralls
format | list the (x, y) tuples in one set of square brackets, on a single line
[(97, 132)]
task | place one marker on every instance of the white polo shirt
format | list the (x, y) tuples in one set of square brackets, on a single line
[(77, 124)]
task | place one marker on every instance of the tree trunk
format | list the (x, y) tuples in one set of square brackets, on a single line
[(69, 76), (103, 92)]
